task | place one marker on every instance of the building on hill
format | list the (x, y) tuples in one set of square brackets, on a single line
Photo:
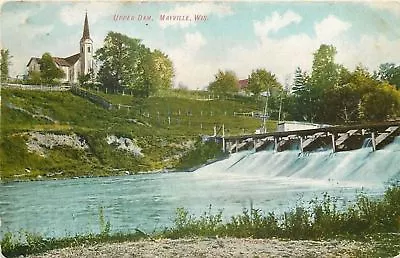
[(74, 65)]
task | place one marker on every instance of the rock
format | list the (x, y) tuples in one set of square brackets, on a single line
[(125, 144)]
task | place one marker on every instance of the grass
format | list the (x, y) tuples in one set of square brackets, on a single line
[(373, 221), (161, 125)]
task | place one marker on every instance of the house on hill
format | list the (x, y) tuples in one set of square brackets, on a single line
[(243, 84), (74, 65)]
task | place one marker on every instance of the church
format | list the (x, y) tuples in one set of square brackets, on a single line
[(74, 65)]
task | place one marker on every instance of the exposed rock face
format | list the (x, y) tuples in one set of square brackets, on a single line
[(125, 144), (39, 142)]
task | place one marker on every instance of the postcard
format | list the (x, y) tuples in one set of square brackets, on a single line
[(200, 128)]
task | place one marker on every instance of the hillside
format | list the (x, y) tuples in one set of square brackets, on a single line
[(58, 134)]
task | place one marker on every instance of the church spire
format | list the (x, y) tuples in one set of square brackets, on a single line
[(85, 34)]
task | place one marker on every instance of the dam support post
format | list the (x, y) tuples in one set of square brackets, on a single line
[(236, 146), (301, 145), (275, 144), (333, 143), (223, 139), (373, 141)]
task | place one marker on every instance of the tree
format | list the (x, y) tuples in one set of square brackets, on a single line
[(390, 73), (126, 63), (300, 81), (49, 72), (4, 64), (34, 77), (325, 75), (261, 80), (150, 80), (381, 103), (120, 57), (164, 68), (224, 83), (325, 72)]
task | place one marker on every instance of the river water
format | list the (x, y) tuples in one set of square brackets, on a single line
[(267, 180)]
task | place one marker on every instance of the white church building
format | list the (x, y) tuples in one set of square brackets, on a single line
[(75, 65)]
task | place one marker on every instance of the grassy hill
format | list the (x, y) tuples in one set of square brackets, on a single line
[(41, 131)]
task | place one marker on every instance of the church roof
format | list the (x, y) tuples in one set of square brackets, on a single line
[(37, 59), (61, 61), (73, 59), (86, 34)]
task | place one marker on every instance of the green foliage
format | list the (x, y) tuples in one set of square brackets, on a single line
[(34, 78), (320, 220), (332, 94), (225, 83), (261, 80), (105, 226), (126, 63), (49, 72), (391, 73), (164, 68), (201, 153), (119, 58), (381, 103), (4, 64)]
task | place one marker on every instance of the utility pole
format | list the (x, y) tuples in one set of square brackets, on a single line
[(265, 114)]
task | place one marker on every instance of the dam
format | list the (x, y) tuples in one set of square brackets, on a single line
[(336, 138)]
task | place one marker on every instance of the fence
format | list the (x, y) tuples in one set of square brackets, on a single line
[(92, 97), (35, 87)]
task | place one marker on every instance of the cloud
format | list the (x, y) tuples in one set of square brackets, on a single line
[(205, 8), (330, 28), (188, 70), (193, 42), (275, 22), (72, 14), (390, 6), (281, 55)]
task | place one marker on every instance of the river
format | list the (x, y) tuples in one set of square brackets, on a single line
[(267, 180)]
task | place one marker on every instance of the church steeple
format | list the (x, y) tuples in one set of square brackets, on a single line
[(86, 47), (86, 34)]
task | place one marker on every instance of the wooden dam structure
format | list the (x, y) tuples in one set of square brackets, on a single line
[(336, 138)]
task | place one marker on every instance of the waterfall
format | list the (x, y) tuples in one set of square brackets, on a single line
[(361, 166)]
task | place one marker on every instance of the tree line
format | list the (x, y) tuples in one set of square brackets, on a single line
[(330, 93)]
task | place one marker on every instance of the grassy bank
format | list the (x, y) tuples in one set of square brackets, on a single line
[(165, 128), (374, 221)]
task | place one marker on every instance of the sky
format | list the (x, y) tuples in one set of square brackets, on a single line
[(239, 36)]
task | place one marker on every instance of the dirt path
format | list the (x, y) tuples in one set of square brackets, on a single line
[(223, 247)]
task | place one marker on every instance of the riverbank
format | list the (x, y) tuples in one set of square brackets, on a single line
[(61, 135), (217, 247)]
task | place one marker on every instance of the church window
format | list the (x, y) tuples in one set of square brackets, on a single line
[(88, 49)]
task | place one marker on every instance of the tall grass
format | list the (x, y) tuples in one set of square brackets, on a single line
[(321, 220)]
